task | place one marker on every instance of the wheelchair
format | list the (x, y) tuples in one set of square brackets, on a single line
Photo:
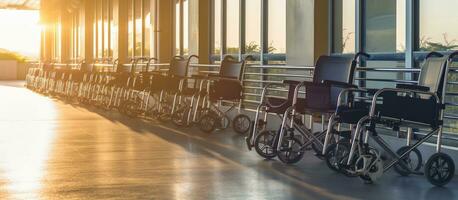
[(165, 87), (72, 80), (409, 106), (224, 87), (138, 88), (331, 75)]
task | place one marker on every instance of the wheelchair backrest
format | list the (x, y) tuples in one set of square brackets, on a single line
[(334, 68), (178, 67), (330, 68), (231, 68), (432, 74)]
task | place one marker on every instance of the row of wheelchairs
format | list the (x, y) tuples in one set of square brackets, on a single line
[(350, 143), (146, 89), (205, 99)]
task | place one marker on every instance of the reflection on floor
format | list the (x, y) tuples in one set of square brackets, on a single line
[(50, 149)]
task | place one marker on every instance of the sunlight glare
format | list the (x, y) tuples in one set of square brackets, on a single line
[(20, 31)]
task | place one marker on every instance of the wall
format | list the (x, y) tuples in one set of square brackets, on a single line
[(8, 70)]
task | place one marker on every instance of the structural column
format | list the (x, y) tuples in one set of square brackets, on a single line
[(120, 10), (89, 10), (66, 26), (204, 31), (165, 30), (321, 28)]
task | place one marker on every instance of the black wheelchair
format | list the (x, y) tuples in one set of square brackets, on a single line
[(410, 106), (331, 75), (165, 87), (224, 93)]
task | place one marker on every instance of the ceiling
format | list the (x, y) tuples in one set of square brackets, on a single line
[(20, 4)]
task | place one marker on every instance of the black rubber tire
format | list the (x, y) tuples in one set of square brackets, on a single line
[(342, 150), (294, 154), (268, 149), (179, 118), (413, 166), (241, 124), (207, 123), (445, 164), (131, 109)]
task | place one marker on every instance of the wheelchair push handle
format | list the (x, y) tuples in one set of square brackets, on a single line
[(433, 54), (249, 58), (361, 55)]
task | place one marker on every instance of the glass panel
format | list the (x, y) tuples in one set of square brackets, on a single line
[(147, 18), (276, 32), (185, 27), (130, 15), (233, 27), (253, 28), (114, 33), (106, 43), (138, 28), (81, 33), (99, 29), (344, 26), (177, 28), (217, 29), (385, 28), (438, 30), (193, 25)]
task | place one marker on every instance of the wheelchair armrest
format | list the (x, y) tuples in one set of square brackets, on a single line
[(339, 84), (291, 82), (413, 87)]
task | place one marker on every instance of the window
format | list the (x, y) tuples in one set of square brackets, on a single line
[(253, 28), (185, 27), (130, 15), (177, 27), (113, 33), (437, 25), (385, 26), (276, 48), (106, 9), (139, 28), (99, 26), (217, 17), (233, 28), (237, 31), (58, 41), (147, 28), (344, 26), (104, 27)]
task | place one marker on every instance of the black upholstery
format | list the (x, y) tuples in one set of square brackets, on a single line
[(418, 108), (228, 85), (178, 67), (323, 97), (230, 68), (334, 68), (331, 75)]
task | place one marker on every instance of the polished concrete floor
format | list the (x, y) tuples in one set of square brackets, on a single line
[(50, 149)]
